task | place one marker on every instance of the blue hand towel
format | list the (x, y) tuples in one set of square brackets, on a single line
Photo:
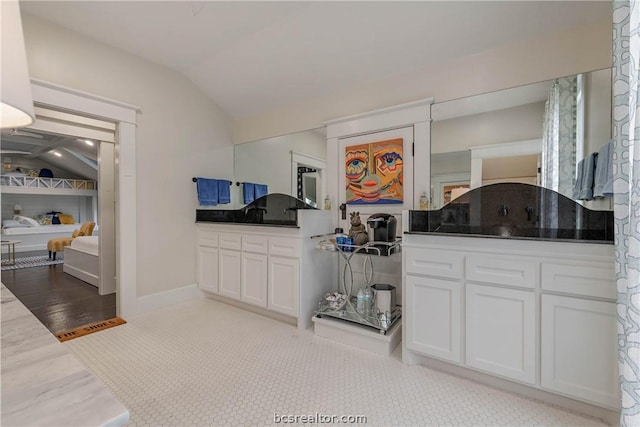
[(578, 184), (224, 191), (261, 190), (248, 192), (586, 184), (603, 180), (207, 191)]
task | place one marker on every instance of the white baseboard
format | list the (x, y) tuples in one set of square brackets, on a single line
[(167, 298)]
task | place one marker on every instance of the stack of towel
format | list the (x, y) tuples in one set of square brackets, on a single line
[(212, 192), (252, 191), (594, 175)]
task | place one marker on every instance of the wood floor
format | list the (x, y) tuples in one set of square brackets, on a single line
[(60, 301)]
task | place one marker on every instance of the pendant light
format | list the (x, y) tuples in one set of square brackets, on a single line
[(15, 87)]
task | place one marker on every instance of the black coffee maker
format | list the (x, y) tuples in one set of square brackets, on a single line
[(382, 231)]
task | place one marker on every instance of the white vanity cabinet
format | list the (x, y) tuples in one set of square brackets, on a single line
[(540, 314), (284, 270), (208, 260), (500, 331), (433, 303), (272, 270), (579, 354), (229, 260), (253, 271)]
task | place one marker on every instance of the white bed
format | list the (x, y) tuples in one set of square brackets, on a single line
[(81, 259), (36, 238)]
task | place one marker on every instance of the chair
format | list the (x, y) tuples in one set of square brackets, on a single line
[(59, 243)]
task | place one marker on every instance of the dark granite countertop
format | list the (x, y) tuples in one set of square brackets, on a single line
[(515, 211), (272, 210)]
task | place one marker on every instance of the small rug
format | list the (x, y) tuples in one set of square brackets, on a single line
[(32, 261), (89, 329)]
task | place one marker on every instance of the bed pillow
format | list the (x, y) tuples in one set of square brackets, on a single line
[(26, 221), (66, 219), (12, 223)]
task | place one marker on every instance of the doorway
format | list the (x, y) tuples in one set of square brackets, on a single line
[(73, 294), (124, 116)]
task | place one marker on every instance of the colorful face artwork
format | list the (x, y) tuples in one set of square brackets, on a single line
[(374, 172)]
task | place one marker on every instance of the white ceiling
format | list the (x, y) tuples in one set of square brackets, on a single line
[(252, 57)]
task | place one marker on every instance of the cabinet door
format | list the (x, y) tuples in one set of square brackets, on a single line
[(284, 283), (579, 350), (254, 279), (208, 269), (433, 317), (229, 273), (500, 331)]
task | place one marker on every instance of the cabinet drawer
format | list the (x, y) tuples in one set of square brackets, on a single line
[(284, 247), (434, 262), (208, 238), (255, 244), (593, 280), (501, 270), (229, 241)]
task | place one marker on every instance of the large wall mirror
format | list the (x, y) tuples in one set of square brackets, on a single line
[(293, 164), (505, 136)]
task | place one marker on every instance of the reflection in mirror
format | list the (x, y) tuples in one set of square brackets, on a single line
[(535, 133), (293, 164)]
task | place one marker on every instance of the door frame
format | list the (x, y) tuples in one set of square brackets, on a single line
[(415, 114), (124, 116)]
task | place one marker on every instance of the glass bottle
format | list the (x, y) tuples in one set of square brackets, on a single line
[(327, 203), (360, 301), (368, 300), (424, 202)]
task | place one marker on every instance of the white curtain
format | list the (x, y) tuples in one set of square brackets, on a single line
[(559, 137), (626, 159)]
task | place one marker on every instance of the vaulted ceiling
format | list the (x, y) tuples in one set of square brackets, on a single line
[(252, 57)]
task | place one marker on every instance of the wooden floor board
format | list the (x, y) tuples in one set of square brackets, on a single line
[(60, 301)]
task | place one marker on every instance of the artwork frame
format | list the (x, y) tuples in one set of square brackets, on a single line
[(374, 172)]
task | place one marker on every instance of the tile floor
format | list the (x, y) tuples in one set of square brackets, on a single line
[(204, 363)]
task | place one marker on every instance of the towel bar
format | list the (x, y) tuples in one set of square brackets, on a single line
[(194, 179)]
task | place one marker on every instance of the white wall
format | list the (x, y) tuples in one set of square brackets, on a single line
[(520, 123), (269, 161), (181, 133), (584, 49)]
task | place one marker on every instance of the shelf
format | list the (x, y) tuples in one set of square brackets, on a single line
[(369, 248), (380, 322)]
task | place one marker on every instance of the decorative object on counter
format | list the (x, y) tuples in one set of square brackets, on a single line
[(384, 230), (384, 297), (335, 300), (358, 232), (424, 202), (212, 192), (515, 210), (364, 300)]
